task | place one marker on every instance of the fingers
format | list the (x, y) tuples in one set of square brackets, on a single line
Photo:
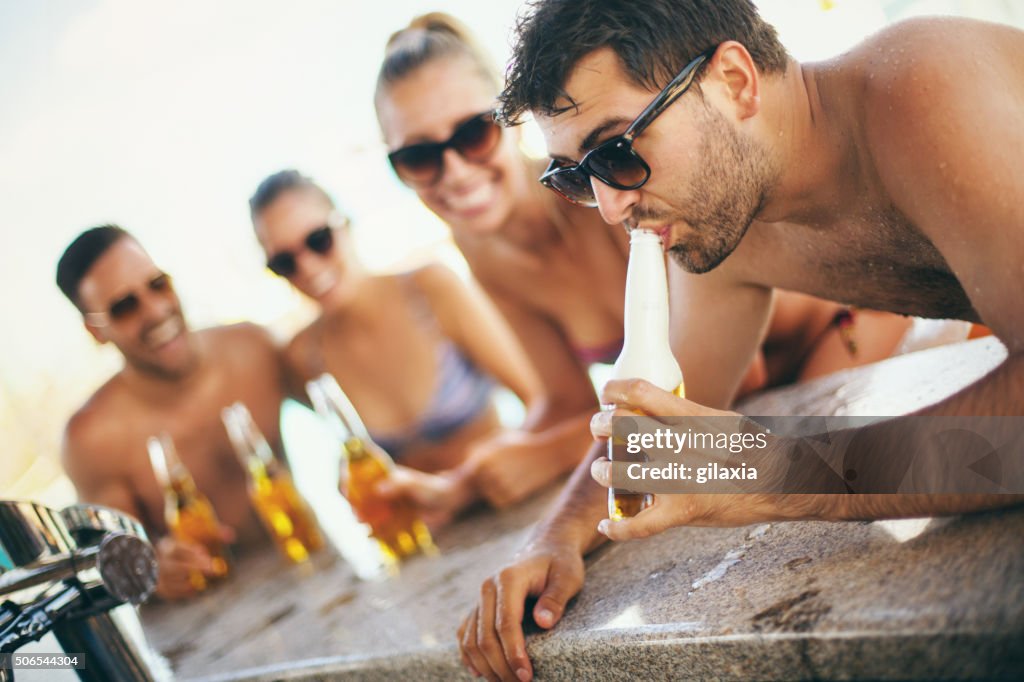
[(512, 591), (650, 521), (470, 650), (562, 584), (185, 553), (601, 423), (462, 650), (487, 638), (226, 534), (646, 397), (492, 637), (181, 569), (343, 480), (601, 471)]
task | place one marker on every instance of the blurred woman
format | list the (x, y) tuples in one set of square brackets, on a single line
[(557, 270), (418, 353)]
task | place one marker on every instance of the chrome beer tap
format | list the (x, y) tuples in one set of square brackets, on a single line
[(64, 571)]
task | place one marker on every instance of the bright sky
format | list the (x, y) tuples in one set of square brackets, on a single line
[(163, 117)]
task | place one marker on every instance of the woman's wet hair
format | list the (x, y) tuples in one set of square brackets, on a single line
[(427, 38), (275, 185)]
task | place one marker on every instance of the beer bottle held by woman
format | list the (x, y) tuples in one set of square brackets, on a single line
[(394, 524)]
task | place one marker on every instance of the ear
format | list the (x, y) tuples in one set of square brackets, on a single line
[(734, 69), (96, 331)]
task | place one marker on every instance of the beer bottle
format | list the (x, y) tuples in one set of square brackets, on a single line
[(646, 353), (187, 511), (284, 513), (394, 524)]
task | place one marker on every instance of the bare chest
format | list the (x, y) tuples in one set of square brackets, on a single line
[(194, 424), (388, 363), (874, 260), (579, 284)]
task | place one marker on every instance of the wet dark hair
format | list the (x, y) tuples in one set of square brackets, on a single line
[(654, 40), (81, 254), (277, 184), (427, 38)]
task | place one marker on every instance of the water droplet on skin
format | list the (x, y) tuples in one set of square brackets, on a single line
[(942, 165)]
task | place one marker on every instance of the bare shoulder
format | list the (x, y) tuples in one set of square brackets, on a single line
[(436, 278), (244, 343), (298, 350), (946, 72), (443, 288), (248, 335), (92, 432)]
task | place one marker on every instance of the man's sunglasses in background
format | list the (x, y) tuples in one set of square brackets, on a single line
[(130, 304), (422, 164), (615, 162)]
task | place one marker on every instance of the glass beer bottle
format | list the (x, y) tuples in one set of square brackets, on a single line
[(187, 511), (394, 524), (283, 511), (646, 353)]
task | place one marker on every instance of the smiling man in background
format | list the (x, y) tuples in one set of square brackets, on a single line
[(174, 380)]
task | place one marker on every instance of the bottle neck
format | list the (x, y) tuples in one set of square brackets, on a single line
[(646, 352)]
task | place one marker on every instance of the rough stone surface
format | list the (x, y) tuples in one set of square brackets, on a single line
[(924, 599)]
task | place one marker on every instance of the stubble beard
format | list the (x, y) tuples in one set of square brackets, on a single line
[(725, 196)]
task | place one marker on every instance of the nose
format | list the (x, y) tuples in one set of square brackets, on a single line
[(615, 205), (454, 167), (307, 266), (158, 305)]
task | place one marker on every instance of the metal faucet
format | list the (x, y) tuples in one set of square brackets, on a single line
[(63, 571)]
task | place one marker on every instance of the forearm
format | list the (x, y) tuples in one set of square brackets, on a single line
[(550, 410), (912, 454), (574, 516), (563, 442), (869, 507)]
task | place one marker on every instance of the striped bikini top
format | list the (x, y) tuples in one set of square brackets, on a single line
[(462, 392)]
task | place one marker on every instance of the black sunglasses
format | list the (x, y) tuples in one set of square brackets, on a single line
[(615, 162), (285, 263), (129, 304), (422, 165)]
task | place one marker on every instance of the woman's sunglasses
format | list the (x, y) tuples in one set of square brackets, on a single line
[(285, 263), (615, 162), (422, 165), (130, 304)]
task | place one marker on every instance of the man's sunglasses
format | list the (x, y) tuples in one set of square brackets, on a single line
[(422, 165), (285, 263), (130, 304), (615, 162)]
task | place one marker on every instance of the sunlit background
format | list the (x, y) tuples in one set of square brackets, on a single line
[(163, 117)]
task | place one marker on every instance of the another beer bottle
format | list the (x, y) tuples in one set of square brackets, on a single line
[(284, 513), (646, 353), (394, 524), (187, 511)]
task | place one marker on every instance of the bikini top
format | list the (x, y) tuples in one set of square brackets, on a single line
[(604, 354), (461, 391)]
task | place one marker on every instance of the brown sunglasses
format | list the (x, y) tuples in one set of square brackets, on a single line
[(130, 304)]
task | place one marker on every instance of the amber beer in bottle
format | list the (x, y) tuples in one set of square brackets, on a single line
[(283, 511), (394, 524), (646, 353), (187, 511)]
